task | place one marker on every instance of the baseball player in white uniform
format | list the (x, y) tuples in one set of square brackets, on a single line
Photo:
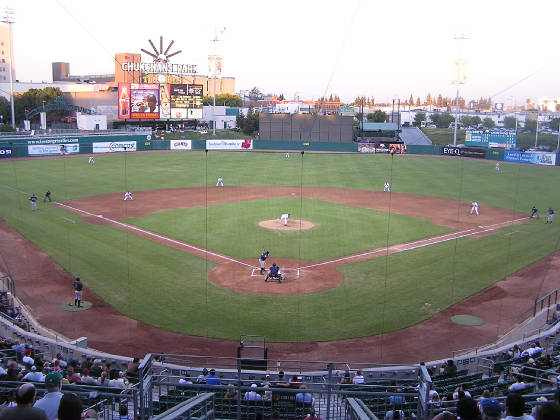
[(386, 187), (474, 207), (287, 155), (220, 182), (497, 166), (90, 160), (262, 260), (128, 196), (285, 218)]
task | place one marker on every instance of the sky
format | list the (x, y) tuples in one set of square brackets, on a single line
[(310, 48)]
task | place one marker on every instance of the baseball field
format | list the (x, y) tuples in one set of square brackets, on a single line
[(183, 255)]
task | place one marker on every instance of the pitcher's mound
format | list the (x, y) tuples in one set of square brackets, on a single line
[(292, 224)]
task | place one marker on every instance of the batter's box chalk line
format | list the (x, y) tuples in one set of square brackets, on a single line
[(256, 272)]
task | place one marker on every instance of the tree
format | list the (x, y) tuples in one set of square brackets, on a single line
[(554, 124), (429, 99), (379, 116), (476, 120), (418, 118), (444, 120), (250, 123), (34, 98), (418, 101), (240, 120), (531, 125), (5, 110), (510, 122), (411, 100), (255, 95), (488, 122), (439, 100), (281, 97), (330, 98), (466, 121), (225, 99), (435, 118)]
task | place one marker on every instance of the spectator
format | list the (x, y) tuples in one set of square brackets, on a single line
[(548, 411), (34, 376), (312, 415), (212, 379), (96, 368), (231, 393), (51, 400), (25, 398), (202, 377), (295, 382), (395, 414), (103, 381), (445, 415), (461, 389), (346, 379), (252, 395), (450, 368), (123, 412), (395, 399), (491, 409), (515, 408), (132, 368), (467, 408), (515, 353), (518, 385), (86, 379), (267, 394), (304, 397), (496, 393), (70, 407), (72, 376), (358, 378), (118, 381), (533, 350), (185, 380)]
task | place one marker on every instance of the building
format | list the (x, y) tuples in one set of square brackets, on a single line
[(6, 40)]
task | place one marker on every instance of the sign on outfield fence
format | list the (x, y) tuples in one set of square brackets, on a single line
[(464, 152), (180, 144), (52, 149), (229, 144), (5, 152), (114, 146), (534, 158)]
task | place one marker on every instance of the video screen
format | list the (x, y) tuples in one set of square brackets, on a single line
[(144, 101)]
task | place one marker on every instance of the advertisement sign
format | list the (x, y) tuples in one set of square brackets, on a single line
[(114, 146), (382, 148), (124, 100), (214, 65), (165, 103), (52, 149), (504, 139), (179, 101), (144, 101), (5, 152), (534, 158), (180, 144), (464, 152), (229, 144)]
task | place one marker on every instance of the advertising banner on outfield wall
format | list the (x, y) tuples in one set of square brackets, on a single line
[(52, 149), (534, 158), (382, 148), (464, 152), (229, 144), (114, 146), (5, 152), (180, 144)]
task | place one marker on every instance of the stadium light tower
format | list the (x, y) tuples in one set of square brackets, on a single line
[(8, 17), (214, 40), (459, 78)]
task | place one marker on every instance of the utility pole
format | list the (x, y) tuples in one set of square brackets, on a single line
[(460, 79), (8, 18), (215, 39)]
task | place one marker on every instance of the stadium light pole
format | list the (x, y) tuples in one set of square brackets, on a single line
[(8, 18), (460, 79), (215, 71)]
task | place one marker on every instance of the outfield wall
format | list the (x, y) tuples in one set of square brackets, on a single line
[(72, 145)]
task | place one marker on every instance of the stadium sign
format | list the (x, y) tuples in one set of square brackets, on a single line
[(159, 68)]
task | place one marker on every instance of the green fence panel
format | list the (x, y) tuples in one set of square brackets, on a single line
[(298, 145), (495, 154), (417, 149)]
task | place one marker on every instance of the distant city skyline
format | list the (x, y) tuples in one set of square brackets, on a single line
[(312, 48)]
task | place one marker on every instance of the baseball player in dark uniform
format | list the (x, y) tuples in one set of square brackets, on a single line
[(47, 196), (78, 286), (262, 260), (33, 200), (550, 215), (535, 212)]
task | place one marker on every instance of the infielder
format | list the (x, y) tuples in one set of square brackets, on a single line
[(90, 160), (474, 207), (285, 218), (128, 196), (535, 212), (386, 187), (78, 286), (550, 215), (287, 155), (220, 182), (262, 261), (33, 200), (497, 166)]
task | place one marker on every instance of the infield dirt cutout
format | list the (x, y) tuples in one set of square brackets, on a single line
[(277, 224)]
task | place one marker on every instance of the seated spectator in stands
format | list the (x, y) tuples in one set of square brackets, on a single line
[(70, 407), (346, 379), (118, 380), (86, 362), (312, 415), (212, 379), (51, 400), (61, 362), (56, 366), (445, 415), (497, 393), (25, 398), (132, 368), (450, 368), (202, 377), (185, 380), (548, 411), (358, 378), (267, 394), (12, 374), (518, 385), (467, 408), (96, 369), (123, 412), (295, 382), (34, 376), (252, 395), (395, 413), (545, 361), (304, 397), (86, 379), (491, 409), (72, 376), (395, 399), (28, 360), (532, 351), (433, 397), (461, 389), (231, 393), (515, 352), (20, 351), (515, 408), (102, 380)]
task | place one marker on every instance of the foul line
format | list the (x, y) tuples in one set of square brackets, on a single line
[(422, 242), (155, 235)]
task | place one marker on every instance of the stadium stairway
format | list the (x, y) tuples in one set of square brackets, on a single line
[(413, 135)]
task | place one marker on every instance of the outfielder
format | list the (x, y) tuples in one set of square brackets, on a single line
[(497, 166), (550, 215), (285, 218), (220, 182), (386, 187), (33, 200), (90, 160), (262, 261), (128, 196), (474, 207), (287, 155)]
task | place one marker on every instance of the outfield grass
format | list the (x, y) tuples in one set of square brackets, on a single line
[(168, 288)]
